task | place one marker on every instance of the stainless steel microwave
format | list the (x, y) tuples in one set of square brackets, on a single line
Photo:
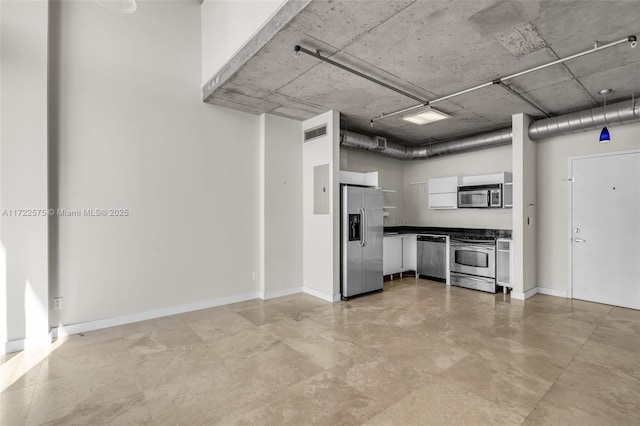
[(480, 196)]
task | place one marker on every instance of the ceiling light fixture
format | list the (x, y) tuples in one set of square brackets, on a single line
[(426, 116), (119, 6), (604, 134)]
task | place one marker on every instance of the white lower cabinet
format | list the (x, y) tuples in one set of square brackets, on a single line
[(504, 262), (391, 254), (399, 253), (409, 252)]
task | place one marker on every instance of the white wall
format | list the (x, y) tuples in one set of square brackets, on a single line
[(281, 204), (23, 171), (553, 195), (321, 232), (227, 25), (390, 176), (416, 209), (131, 133)]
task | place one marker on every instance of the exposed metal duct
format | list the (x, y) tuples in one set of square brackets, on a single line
[(354, 140), (591, 119)]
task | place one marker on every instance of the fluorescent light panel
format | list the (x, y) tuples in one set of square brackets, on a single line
[(426, 116)]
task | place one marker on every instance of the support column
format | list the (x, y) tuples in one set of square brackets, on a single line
[(524, 209), (321, 207), (280, 206), (24, 265)]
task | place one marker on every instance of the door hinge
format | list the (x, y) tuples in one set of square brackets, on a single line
[(571, 179)]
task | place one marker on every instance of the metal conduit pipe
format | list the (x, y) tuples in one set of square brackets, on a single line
[(616, 115)]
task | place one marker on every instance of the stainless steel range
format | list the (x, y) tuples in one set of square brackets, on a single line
[(473, 262)]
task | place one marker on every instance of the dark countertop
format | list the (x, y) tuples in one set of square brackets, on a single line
[(476, 232)]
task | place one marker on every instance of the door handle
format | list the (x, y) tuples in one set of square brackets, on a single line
[(362, 228), (579, 240), (365, 224)]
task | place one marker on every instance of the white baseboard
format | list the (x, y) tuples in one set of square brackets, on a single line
[(280, 293), (552, 292), (29, 343), (14, 346), (321, 295), (539, 290), (65, 330), (524, 296)]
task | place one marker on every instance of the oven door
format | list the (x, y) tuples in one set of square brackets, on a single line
[(473, 258), (473, 198)]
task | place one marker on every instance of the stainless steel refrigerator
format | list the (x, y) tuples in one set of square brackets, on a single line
[(361, 240)]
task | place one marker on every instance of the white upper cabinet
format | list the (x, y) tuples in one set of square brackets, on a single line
[(443, 192), (488, 179), (443, 185)]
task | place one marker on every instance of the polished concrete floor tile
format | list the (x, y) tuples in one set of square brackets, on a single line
[(21, 376), (59, 398), (532, 360), (502, 384), (320, 400), (86, 358), (15, 404), (384, 380), (624, 313), (156, 368), (142, 327), (89, 338), (619, 334), (565, 406), (263, 314), (420, 352), (128, 410), (242, 344), (445, 403), (220, 322), (6, 357), (603, 383), (159, 340), (618, 361)]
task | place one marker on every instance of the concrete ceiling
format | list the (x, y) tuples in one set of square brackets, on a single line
[(432, 49)]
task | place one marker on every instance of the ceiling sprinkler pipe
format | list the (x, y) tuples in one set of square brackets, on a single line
[(632, 40)]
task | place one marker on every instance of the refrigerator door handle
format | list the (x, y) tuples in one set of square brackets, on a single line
[(362, 228), (365, 224)]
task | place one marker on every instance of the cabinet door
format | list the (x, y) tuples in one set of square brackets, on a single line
[(504, 262), (392, 255), (443, 201), (409, 252), (443, 185)]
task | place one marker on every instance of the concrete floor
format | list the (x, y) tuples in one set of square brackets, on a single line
[(419, 353)]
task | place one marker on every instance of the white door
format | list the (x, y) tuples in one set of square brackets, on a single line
[(605, 229)]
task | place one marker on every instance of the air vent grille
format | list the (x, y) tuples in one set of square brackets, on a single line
[(381, 143), (316, 132)]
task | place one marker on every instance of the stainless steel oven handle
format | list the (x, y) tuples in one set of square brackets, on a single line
[(472, 278), (475, 248), (466, 243)]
